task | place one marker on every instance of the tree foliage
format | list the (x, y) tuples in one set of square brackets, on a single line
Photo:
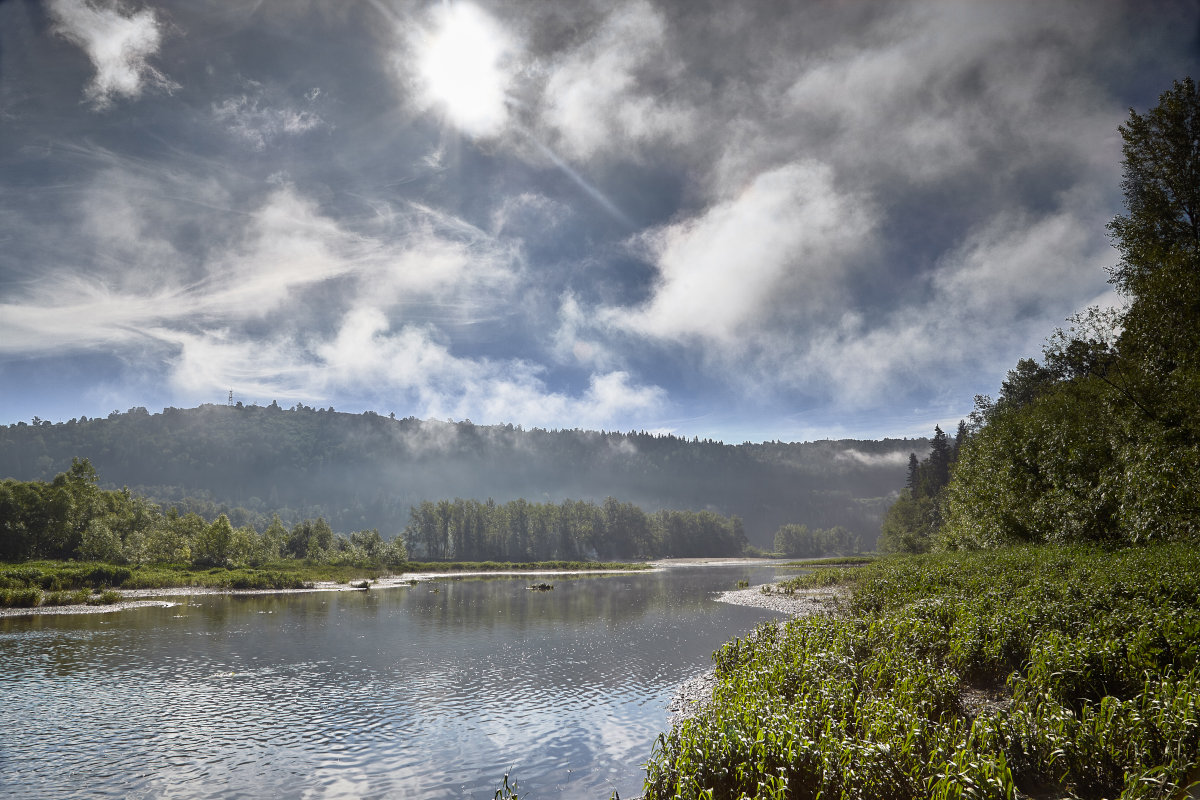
[(470, 530), (1101, 441), (70, 517), (797, 541), (913, 521)]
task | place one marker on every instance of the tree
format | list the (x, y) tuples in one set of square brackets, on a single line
[(909, 525), (939, 459), (1162, 191), (213, 544), (1159, 272)]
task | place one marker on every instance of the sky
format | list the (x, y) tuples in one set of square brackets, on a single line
[(745, 221)]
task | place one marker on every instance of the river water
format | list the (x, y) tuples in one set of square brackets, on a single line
[(429, 691)]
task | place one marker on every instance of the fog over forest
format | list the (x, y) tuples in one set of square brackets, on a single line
[(367, 470)]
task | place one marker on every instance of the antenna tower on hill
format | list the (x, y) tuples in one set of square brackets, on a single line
[(230, 397)]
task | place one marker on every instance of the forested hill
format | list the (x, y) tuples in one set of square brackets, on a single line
[(364, 471)]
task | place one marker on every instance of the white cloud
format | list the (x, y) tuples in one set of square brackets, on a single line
[(873, 459), (260, 125), (594, 101), (119, 46), (790, 233), (576, 340), (1002, 291), (369, 360), (253, 321), (283, 248)]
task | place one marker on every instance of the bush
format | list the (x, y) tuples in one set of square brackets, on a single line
[(20, 598)]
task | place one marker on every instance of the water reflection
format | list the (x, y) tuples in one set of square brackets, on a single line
[(407, 692)]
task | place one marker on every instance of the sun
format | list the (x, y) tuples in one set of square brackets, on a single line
[(460, 63)]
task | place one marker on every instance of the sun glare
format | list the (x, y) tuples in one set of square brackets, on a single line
[(461, 69)]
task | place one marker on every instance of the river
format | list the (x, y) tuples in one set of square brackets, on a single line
[(428, 691)]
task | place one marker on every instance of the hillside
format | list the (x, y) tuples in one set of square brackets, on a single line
[(366, 470)]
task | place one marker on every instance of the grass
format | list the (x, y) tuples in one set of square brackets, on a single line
[(832, 561), (1033, 672)]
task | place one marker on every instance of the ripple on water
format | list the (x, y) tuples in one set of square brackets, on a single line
[(388, 694)]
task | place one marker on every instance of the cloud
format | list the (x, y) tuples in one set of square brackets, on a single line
[(259, 266), (873, 459), (369, 361), (260, 125), (118, 45), (575, 340), (788, 239), (594, 100), (1002, 290), (294, 304)]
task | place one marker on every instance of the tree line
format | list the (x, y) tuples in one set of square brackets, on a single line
[(70, 517), (797, 541), (1099, 440), (470, 530)]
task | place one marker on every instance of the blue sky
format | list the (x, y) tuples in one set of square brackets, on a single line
[(744, 221)]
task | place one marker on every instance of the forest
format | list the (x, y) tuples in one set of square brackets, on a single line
[(1099, 440), (366, 471), (71, 518)]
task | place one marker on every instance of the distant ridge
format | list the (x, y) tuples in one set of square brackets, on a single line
[(367, 470)]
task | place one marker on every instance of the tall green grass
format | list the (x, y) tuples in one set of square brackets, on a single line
[(1047, 672)]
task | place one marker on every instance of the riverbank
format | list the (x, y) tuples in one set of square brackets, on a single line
[(151, 597), (1027, 672), (691, 696)]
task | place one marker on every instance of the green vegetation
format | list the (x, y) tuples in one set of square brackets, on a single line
[(519, 530), (1100, 441), (72, 518), (53, 583), (56, 583), (836, 561), (364, 471), (962, 675), (797, 541), (1029, 655), (910, 524)]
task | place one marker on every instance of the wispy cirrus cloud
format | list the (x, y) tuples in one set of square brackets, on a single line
[(259, 122), (337, 304)]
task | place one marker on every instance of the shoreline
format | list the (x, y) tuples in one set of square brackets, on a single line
[(692, 695), (146, 598)]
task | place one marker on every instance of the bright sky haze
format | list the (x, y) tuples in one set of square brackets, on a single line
[(733, 220)]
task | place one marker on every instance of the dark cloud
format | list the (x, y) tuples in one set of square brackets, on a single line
[(742, 220)]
